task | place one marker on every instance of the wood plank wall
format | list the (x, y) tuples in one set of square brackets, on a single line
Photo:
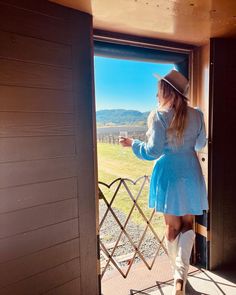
[(223, 122), (201, 94), (47, 194), (201, 70)]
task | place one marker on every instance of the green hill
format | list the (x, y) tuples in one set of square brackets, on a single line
[(121, 117)]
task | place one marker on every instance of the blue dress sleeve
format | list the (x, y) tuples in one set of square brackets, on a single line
[(153, 148), (201, 137)]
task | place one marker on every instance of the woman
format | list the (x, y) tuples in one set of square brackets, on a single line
[(177, 187)]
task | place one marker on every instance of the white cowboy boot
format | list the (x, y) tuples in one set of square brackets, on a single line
[(172, 248), (182, 261)]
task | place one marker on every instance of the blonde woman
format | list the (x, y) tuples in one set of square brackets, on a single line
[(177, 187)]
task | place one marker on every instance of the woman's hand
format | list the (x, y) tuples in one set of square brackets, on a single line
[(125, 141)]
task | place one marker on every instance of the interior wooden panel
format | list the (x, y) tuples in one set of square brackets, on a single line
[(46, 62), (16, 124), (28, 172), (37, 240), (192, 22), (18, 222), (50, 53), (21, 197), (200, 87), (19, 73), (69, 288), (222, 165), (35, 100), (86, 147), (35, 148), (201, 71), (45, 281), (38, 262), (32, 23)]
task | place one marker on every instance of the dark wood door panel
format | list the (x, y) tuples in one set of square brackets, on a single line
[(35, 148), (29, 219), (18, 47), (21, 197), (18, 73), (28, 172), (47, 171), (37, 240), (26, 99), (33, 23), (69, 288), (40, 261), (20, 124), (222, 160), (45, 281)]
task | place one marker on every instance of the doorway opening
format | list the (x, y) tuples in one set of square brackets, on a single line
[(126, 93), (131, 235)]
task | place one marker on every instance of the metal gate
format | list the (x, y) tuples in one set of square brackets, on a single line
[(107, 252)]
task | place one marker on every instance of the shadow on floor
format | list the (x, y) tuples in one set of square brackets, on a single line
[(203, 277), (228, 274), (159, 289), (159, 281), (192, 291)]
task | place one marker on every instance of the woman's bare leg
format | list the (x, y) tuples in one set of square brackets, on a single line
[(187, 223), (173, 226)]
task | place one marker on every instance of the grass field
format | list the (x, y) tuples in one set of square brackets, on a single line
[(115, 162)]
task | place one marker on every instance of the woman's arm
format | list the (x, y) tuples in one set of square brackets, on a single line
[(153, 148)]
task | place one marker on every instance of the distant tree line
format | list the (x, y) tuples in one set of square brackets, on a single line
[(121, 117)]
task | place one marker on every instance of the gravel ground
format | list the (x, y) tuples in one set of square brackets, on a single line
[(110, 231)]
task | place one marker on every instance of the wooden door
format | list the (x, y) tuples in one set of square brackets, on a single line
[(222, 152), (47, 175)]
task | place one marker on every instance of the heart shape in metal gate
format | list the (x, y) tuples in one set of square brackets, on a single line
[(124, 182)]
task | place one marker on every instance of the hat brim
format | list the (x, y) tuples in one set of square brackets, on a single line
[(159, 77)]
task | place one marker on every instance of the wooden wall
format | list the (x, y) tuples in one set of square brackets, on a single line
[(214, 88), (200, 93), (47, 175), (223, 161)]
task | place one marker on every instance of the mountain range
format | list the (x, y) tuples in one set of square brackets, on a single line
[(115, 117)]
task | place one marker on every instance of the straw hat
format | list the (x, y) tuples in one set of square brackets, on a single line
[(176, 80)]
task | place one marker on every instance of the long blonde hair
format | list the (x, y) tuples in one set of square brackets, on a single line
[(179, 104)]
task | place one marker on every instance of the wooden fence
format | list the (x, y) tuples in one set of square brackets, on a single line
[(114, 138)]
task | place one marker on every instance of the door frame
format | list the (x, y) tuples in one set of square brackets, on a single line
[(117, 45)]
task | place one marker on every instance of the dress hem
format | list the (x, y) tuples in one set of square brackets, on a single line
[(181, 213)]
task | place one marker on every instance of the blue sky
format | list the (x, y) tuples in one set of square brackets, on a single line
[(126, 84)]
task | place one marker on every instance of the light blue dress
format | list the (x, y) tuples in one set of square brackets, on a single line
[(177, 185)]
